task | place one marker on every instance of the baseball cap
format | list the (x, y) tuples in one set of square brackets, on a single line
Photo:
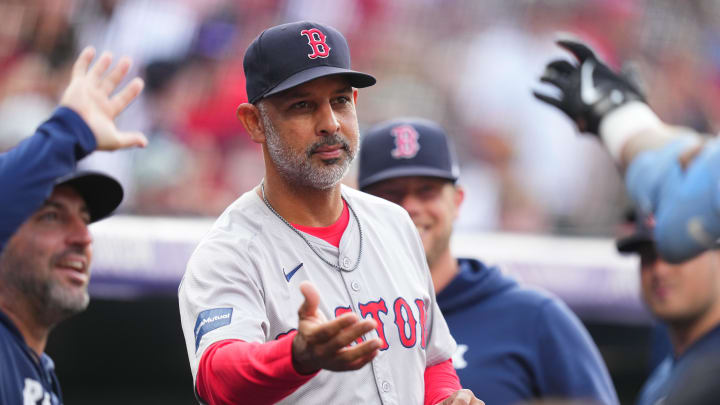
[(406, 147), (641, 238), (102, 193), (288, 55)]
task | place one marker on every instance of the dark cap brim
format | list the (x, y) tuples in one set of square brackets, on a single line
[(407, 171), (634, 243), (102, 193), (357, 79)]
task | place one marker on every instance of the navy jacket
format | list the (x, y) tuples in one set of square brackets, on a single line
[(516, 344), (27, 177)]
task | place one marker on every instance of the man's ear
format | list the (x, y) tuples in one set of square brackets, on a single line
[(355, 94), (459, 197), (249, 116)]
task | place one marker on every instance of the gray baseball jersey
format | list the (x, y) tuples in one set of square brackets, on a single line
[(242, 283)]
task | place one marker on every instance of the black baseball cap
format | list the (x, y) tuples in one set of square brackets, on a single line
[(406, 147), (102, 193), (291, 54), (641, 238)]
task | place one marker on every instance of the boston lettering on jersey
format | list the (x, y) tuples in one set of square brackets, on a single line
[(404, 317)]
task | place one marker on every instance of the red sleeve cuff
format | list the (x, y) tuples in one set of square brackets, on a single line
[(235, 371), (441, 381)]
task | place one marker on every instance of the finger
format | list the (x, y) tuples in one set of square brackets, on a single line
[(359, 353), (580, 50), (554, 79), (329, 330), (98, 69), (312, 300), (124, 97), (130, 139), (351, 333), (560, 65), (476, 401), (82, 63), (362, 361), (547, 99), (116, 75)]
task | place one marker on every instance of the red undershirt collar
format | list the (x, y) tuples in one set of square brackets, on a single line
[(331, 234)]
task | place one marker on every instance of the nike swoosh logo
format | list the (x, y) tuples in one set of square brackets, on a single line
[(288, 276), (588, 93)]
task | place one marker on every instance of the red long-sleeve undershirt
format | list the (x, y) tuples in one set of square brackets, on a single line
[(234, 371)]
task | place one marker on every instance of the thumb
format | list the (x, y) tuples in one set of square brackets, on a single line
[(312, 300), (128, 139), (121, 140)]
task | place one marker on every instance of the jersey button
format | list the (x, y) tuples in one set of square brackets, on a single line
[(355, 285), (385, 386), (346, 262)]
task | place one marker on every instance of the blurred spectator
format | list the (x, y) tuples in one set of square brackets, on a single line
[(465, 64)]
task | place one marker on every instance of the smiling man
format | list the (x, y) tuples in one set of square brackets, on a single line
[(296, 295), (684, 296), (45, 209), (515, 344)]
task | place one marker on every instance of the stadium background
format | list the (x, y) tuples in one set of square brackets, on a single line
[(542, 202)]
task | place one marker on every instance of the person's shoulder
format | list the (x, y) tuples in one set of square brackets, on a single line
[(528, 296), (237, 226)]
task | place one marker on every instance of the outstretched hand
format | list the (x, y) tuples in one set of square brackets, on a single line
[(322, 344), (89, 94), (588, 88)]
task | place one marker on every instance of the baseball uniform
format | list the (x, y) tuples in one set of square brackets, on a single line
[(242, 283)]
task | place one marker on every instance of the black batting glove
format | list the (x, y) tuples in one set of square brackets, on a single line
[(589, 90)]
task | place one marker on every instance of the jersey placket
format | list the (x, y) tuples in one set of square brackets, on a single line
[(358, 289)]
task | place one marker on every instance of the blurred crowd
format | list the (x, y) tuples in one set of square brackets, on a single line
[(467, 64)]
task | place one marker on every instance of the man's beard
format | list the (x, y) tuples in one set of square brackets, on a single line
[(51, 301), (297, 168)]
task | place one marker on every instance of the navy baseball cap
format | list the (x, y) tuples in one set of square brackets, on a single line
[(102, 193), (288, 55), (406, 147)]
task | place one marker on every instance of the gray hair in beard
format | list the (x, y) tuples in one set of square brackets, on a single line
[(297, 167)]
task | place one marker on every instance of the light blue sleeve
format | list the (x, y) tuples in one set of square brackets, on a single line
[(684, 202)]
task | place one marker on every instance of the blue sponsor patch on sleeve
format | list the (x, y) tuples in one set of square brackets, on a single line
[(209, 320)]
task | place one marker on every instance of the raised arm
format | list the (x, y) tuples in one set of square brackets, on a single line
[(83, 123), (669, 171)]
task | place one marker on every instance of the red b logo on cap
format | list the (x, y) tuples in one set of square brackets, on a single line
[(316, 40), (406, 142)]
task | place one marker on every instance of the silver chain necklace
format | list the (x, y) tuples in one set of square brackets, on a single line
[(357, 263)]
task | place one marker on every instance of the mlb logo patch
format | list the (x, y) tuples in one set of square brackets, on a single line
[(406, 142)]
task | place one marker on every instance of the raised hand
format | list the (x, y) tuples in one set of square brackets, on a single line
[(322, 344), (589, 89), (462, 397), (89, 94)]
